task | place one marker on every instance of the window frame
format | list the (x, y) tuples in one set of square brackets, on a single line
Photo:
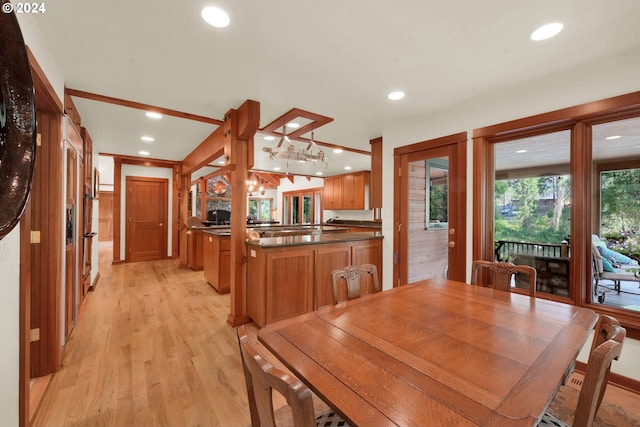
[(579, 120)]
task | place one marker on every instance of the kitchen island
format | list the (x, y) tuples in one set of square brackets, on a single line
[(291, 275), (215, 248)]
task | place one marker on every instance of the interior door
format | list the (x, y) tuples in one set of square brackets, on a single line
[(147, 217), (430, 211)]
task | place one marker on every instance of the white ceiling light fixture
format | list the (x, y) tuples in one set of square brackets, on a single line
[(338, 150), (521, 151), (613, 137), (312, 152), (293, 125), (347, 168), (269, 138), (153, 115), (143, 153), (215, 17), (546, 31), (396, 95), (147, 138)]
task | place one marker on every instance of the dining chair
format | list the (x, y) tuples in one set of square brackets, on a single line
[(502, 273), (261, 378), (354, 281), (595, 380)]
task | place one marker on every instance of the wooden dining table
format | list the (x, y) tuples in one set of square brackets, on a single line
[(434, 353)]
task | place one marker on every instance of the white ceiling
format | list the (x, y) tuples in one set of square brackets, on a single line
[(336, 58)]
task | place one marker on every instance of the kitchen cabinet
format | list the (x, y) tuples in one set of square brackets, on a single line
[(195, 249), (288, 276), (217, 261), (346, 192)]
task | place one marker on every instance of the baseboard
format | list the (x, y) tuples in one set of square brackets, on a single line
[(95, 282), (618, 380)]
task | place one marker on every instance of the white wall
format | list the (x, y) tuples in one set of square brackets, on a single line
[(9, 332), (605, 78), (148, 172)]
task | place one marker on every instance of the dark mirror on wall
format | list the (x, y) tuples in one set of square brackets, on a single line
[(17, 124)]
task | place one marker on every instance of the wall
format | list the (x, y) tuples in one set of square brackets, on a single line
[(9, 333), (607, 77), (149, 172)]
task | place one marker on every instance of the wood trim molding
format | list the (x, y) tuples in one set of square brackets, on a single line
[(141, 106), (46, 97)]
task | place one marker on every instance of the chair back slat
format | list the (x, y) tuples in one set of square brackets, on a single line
[(597, 376), (354, 281), (501, 274)]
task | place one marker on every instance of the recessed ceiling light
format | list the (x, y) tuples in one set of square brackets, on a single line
[(147, 138), (215, 17), (396, 95), (144, 153), (318, 173), (612, 137), (347, 168), (153, 115), (338, 150), (521, 151), (276, 168), (293, 125), (269, 138), (546, 31), (221, 162)]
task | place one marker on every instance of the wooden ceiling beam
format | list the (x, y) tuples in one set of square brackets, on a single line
[(141, 106)]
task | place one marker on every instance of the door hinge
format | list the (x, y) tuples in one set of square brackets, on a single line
[(34, 335), (399, 171), (35, 236), (39, 140)]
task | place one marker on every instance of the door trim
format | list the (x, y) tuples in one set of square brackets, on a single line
[(458, 196)]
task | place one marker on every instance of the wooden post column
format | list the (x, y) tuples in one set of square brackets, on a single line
[(239, 130)]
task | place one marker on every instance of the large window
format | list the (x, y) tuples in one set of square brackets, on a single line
[(561, 183), (532, 207)]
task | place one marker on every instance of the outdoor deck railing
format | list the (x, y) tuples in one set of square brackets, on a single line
[(506, 249)]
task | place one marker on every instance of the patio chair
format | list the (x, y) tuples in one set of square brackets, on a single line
[(608, 268)]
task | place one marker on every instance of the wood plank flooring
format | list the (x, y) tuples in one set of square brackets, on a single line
[(152, 348)]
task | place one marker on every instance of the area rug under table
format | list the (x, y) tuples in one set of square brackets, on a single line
[(609, 415)]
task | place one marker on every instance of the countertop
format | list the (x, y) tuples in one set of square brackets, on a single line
[(313, 239), (298, 229)]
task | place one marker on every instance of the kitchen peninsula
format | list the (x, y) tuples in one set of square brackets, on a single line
[(291, 275), (215, 249)]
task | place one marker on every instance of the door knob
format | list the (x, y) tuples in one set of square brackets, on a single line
[(452, 244)]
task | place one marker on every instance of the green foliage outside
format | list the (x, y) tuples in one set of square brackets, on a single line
[(533, 209), (620, 202)]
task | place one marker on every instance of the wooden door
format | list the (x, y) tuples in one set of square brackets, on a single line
[(105, 216), (146, 219), (430, 208)]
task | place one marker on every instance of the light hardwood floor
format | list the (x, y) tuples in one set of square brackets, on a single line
[(152, 348)]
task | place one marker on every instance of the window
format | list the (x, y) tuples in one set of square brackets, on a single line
[(260, 209), (302, 207), (532, 207), (587, 182)]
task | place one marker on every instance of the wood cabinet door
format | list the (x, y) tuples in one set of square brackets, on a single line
[(328, 259), (332, 193), (368, 252), (289, 288), (105, 216)]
